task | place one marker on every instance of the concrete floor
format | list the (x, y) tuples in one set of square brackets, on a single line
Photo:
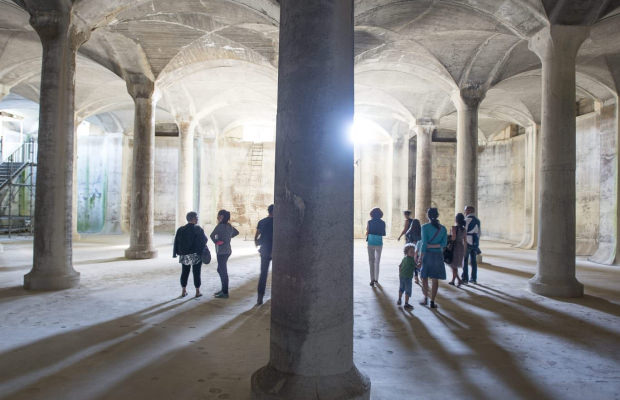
[(124, 334)]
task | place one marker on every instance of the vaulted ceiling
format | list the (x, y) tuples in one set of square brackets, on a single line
[(215, 61)]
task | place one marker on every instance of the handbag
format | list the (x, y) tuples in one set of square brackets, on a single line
[(448, 253), (205, 255)]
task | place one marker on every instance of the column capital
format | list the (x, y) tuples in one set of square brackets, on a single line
[(55, 24), (554, 40), (468, 96), (141, 86)]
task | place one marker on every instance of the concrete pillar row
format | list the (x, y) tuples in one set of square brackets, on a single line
[(466, 102), (424, 170), (311, 339), (185, 196), (141, 220), (557, 47), (52, 265)]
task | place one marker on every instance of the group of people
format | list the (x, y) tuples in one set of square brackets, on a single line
[(424, 252), (190, 242)]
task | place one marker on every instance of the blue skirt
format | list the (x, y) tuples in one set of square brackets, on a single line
[(433, 266)]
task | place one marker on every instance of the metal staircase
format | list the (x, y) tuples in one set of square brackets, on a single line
[(17, 186)]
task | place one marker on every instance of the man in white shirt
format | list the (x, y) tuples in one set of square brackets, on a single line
[(472, 227)]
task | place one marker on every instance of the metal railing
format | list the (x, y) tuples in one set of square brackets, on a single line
[(18, 179)]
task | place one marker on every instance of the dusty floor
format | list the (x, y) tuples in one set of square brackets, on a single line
[(124, 334)]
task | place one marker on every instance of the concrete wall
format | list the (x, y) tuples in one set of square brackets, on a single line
[(501, 188), (587, 177), (98, 181), (166, 177), (373, 184), (244, 187)]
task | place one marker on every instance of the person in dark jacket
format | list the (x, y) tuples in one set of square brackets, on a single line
[(375, 230), (189, 242), (221, 236), (264, 239)]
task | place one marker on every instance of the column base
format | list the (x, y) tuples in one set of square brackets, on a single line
[(270, 384), (572, 288), (140, 254), (35, 280)]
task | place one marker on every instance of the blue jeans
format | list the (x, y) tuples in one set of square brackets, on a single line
[(470, 254), (405, 286)]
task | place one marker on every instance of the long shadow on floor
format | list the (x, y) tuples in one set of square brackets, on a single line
[(533, 315), (124, 340), (14, 291), (413, 334), (505, 270)]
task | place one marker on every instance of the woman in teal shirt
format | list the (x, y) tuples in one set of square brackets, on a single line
[(434, 240)]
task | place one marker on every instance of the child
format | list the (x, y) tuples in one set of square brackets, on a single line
[(406, 268)]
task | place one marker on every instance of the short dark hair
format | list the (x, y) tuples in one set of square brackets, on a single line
[(192, 215), (376, 213), (407, 212), (470, 208), (270, 209)]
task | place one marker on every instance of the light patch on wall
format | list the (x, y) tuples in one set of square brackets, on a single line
[(364, 131), (257, 133)]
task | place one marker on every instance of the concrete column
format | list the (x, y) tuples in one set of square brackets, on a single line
[(400, 182), (52, 267), (532, 164), (141, 222), (185, 197), (466, 192), (423, 171), (311, 352), (557, 46), (74, 203)]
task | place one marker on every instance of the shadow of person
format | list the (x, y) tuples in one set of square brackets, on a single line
[(416, 337), (115, 367), (472, 331), (100, 355)]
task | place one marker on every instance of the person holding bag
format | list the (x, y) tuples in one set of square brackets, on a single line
[(221, 236), (189, 243), (434, 240), (458, 239), (375, 230)]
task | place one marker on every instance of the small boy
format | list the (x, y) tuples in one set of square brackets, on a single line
[(406, 269)]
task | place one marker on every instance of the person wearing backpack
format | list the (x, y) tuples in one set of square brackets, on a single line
[(189, 242)]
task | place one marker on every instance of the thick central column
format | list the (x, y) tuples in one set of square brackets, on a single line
[(185, 197), (467, 101), (311, 352), (52, 267), (557, 47), (423, 170), (141, 224)]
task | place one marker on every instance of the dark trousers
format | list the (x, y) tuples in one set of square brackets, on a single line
[(185, 274), (264, 270), (222, 269), (470, 255)]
